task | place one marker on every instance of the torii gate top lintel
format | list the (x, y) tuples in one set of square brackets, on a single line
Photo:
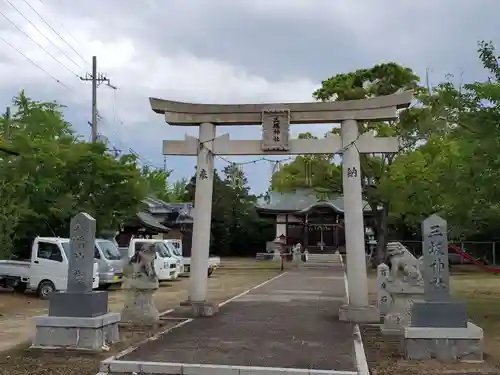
[(373, 109)]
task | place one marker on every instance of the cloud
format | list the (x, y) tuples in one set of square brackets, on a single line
[(225, 51)]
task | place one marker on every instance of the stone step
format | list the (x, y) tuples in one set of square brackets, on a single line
[(322, 261)]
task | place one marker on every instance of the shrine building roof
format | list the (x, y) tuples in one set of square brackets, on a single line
[(300, 202)]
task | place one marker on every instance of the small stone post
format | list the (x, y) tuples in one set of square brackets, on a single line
[(384, 298)]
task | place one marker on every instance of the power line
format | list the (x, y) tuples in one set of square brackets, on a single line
[(35, 64), (55, 31), (42, 34), (143, 160), (64, 29), (255, 161), (34, 41)]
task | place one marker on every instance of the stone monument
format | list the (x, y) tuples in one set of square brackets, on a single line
[(78, 317), (439, 327), (140, 283)]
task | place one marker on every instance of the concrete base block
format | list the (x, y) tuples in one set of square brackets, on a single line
[(359, 314), (204, 309), (445, 344), (94, 333)]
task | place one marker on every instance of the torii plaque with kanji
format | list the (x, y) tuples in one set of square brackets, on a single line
[(275, 129)]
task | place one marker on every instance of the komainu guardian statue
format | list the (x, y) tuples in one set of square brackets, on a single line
[(140, 283), (404, 266)]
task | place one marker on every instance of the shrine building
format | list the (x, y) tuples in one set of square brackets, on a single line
[(318, 224)]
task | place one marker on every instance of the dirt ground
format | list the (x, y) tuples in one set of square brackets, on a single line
[(16, 328), (481, 292), (15, 308)]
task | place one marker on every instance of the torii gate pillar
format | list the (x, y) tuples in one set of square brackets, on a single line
[(202, 217), (276, 119), (358, 308)]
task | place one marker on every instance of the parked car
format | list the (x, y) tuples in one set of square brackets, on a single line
[(110, 263), (45, 272)]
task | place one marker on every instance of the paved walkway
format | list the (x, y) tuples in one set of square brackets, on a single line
[(292, 322)]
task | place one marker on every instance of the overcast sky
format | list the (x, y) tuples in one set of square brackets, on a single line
[(223, 51)]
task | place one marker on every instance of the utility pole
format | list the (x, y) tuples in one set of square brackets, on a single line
[(6, 131), (6, 135), (97, 79)]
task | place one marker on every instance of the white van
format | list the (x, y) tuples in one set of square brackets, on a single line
[(110, 263), (45, 272)]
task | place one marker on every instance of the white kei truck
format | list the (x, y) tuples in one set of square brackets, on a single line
[(45, 272)]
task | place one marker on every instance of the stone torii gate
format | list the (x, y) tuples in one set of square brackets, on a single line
[(276, 120)]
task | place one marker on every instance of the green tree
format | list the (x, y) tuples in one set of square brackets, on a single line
[(57, 175), (157, 182), (383, 79), (158, 185), (459, 160), (178, 190), (236, 228)]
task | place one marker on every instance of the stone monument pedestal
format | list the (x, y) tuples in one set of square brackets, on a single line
[(446, 313), (359, 314), (443, 343), (80, 305), (400, 311), (139, 307), (94, 333)]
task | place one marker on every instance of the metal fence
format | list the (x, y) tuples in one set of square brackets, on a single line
[(487, 252)]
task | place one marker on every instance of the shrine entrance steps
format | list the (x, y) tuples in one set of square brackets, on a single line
[(287, 325), (322, 260)]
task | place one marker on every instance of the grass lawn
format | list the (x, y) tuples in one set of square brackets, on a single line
[(481, 292)]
